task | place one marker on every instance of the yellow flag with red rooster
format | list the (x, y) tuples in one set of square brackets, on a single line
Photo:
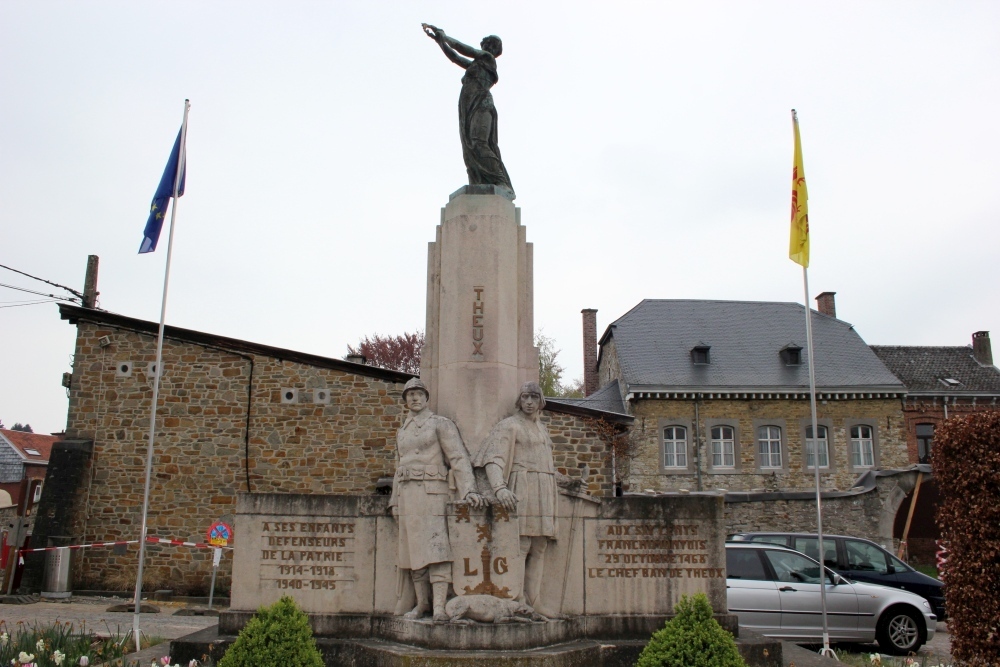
[(798, 243)]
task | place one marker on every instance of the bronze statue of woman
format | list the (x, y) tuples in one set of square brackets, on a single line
[(477, 117)]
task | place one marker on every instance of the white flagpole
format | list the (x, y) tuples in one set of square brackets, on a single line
[(181, 164), (826, 650)]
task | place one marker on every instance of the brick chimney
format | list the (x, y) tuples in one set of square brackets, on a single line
[(981, 348), (590, 380), (826, 305)]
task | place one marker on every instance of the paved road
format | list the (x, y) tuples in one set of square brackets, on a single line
[(937, 649), (90, 613)]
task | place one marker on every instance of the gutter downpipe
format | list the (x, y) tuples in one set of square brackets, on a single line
[(697, 443)]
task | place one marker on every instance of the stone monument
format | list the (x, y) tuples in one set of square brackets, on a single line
[(484, 551)]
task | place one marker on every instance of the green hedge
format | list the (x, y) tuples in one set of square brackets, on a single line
[(692, 638), (276, 636)]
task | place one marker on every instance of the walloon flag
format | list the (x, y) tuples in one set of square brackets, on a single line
[(798, 243)]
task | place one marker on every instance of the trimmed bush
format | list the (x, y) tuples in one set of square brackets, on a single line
[(966, 463), (692, 638), (276, 636)]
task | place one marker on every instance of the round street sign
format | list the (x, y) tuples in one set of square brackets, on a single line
[(220, 534)]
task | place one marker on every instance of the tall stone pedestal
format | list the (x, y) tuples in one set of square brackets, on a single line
[(478, 347)]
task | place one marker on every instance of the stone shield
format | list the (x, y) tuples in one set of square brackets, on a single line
[(484, 546)]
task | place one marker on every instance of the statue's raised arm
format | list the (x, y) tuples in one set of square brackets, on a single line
[(477, 116)]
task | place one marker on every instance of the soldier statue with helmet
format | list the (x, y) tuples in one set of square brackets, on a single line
[(431, 460)]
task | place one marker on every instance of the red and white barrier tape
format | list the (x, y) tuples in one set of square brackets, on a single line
[(180, 543), (151, 539), (79, 546)]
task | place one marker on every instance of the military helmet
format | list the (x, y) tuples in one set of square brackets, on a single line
[(415, 383)]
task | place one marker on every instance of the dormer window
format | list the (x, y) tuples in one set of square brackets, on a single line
[(791, 354), (699, 354)]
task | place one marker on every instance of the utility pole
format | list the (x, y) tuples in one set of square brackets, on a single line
[(90, 283)]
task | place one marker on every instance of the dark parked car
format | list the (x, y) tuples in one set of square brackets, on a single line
[(858, 560), (777, 592)]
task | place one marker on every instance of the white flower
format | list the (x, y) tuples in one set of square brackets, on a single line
[(58, 657), (84, 661), (4, 638), (25, 658), (40, 645), (193, 663)]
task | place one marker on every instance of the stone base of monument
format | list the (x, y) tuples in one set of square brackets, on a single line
[(425, 633), (378, 650), (614, 571)]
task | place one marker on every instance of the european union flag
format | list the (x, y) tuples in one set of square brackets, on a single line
[(164, 192)]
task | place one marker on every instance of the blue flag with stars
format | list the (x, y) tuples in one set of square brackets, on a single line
[(158, 209)]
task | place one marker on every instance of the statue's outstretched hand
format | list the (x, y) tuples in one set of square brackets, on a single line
[(507, 499), (433, 31)]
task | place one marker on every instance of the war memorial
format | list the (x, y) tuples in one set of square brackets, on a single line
[(483, 554)]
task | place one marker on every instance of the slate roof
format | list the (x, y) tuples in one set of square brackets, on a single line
[(924, 369), (37, 442), (654, 342), (608, 399)]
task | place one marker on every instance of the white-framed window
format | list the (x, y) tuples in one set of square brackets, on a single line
[(862, 446), (769, 446), (675, 447), (824, 450), (723, 447)]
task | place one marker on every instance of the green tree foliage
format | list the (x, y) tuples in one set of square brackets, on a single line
[(276, 636), (692, 638), (549, 370), (966, 460), (24, 428)]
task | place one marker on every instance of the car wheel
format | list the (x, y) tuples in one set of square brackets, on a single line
[(900, 631)]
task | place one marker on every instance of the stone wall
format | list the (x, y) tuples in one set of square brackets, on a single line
[(233, 416), (337, 442), (745, 416), (576, 447), (868, 515)]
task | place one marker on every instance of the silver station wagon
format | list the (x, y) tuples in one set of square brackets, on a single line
[(776, 591)]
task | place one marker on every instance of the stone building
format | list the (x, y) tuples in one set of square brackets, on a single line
[(720, 395), (941, 382), (235, 416)]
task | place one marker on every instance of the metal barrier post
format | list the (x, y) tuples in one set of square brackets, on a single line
[(216, 559)]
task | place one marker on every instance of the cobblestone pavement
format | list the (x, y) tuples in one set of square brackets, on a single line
[(90, 613)]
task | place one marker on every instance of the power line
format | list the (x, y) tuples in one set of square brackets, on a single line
[(22, 289), (31, 303), (48, 282)]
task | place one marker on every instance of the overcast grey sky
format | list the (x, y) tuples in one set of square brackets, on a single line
[(650, 145)]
